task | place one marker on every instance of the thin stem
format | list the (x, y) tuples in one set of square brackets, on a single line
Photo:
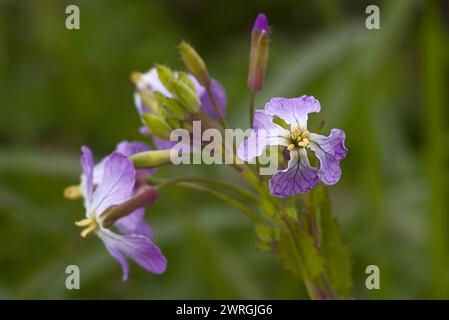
[(251, 214), (217, 110), (232, 187), (252, 100)]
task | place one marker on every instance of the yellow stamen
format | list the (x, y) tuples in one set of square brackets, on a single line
[(295, 132), (83, 223), (291, 147), (305, 134), (72, 192), (88, 230), (135, 77)]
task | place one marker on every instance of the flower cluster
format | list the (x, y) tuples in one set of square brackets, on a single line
[(117, 189)]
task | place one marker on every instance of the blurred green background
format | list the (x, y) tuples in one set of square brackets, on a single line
[(387, 88)]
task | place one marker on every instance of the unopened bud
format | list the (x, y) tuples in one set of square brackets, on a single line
[(157, 125), (184, 78), (150, 159), (175, 108), (194, 63), (186, 96), (165, 75), (259, 53)]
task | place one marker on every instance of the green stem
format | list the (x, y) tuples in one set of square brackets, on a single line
[(252, 100), (232, 187), (251, 214), (217, 110)]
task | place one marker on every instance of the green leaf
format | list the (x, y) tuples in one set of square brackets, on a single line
[(338, 256), (296, 250)]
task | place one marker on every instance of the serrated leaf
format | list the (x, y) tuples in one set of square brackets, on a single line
[(296, 250), (338, 256)]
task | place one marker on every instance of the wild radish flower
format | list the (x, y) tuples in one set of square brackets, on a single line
[(150, 81), (259, 53), (300, 176), (110, 199)]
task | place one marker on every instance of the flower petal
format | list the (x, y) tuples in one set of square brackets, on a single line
[(265, 133), (134, 223), (330, 151), (299, 177), (117, 183), (139, 248), (87, 178), (293, 111), (150, 80), (130, 148), (163, 144)]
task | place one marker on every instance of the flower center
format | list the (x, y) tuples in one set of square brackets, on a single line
[(298, 138), (89, 225)]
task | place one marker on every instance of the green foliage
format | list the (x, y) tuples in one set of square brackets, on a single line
[(61, 89), (338, 257)]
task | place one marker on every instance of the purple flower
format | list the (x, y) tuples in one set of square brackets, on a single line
[(150, 80), (300, 176), (112, 187)]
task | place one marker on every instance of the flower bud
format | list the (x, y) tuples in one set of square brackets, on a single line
[(259, 53), (150, 159), (184, 78), (175, 108), (194, 63), (157, 125), (165, 75), (186, 96)]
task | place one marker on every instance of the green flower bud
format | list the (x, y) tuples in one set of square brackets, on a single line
[(186, 96), (175, 108), (194, 63), (149, 99), (184, 78), (157, 125), (165, 75), (149, 159)]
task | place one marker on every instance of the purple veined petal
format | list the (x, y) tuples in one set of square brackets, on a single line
[(330, 151), (126, 148), (218, 93), (134, 223), (87, 178), (116, 185), (293, 111), (299, 177), (144, 252), (265, 133)]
